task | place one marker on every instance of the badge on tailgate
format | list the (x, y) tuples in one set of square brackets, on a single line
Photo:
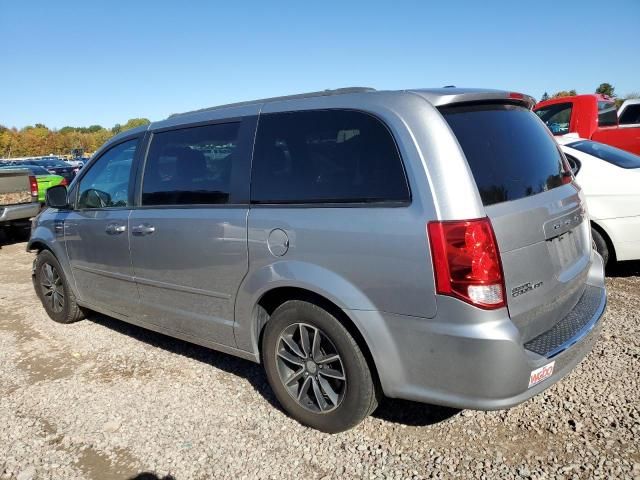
[(540, 374)]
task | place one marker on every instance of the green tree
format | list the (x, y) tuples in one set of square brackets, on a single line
[(545, 96), (606, 89)]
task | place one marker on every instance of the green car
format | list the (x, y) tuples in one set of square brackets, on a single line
[(43, 177)]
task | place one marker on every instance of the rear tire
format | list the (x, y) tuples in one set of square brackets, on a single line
[(601, 245), (53, 290), (324, 381)]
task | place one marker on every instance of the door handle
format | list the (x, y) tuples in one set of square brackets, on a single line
[(115, 228), (143, 229)]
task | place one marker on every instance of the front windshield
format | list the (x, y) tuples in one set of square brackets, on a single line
[(620, 158)]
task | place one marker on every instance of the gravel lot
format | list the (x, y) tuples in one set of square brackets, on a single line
[(102, 399)]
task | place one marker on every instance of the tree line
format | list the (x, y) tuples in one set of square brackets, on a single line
[(38, 140), (603, 88)]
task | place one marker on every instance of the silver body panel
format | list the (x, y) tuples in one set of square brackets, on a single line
[(201, 273)]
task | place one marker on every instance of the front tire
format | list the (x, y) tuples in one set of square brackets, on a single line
[(316, 368), (53, 290)]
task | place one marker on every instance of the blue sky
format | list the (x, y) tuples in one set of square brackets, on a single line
[(80, 63)]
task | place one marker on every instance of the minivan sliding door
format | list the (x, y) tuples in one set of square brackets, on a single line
[(189, 233)]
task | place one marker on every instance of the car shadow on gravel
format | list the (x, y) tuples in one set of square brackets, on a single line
[(413, 414), (9, 236), (228, 363), (390, 410), (624, 269)]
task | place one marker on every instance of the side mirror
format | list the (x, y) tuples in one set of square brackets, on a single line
[(56, 197)]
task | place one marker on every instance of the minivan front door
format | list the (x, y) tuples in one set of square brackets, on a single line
[(189, 234), (96, 233)]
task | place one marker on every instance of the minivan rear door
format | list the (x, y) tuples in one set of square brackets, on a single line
[(537, 211)]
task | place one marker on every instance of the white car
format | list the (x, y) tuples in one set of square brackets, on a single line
[(610, 178), (629, 113)]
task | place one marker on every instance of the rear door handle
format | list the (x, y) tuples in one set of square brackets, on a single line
[(115, 228), (143, 229)]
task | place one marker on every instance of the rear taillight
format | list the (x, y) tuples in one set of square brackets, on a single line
[(466, 262), (34, 186), (64, 182)]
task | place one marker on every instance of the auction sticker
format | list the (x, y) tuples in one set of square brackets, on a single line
[(540, 374)]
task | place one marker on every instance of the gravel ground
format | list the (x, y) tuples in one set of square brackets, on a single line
[(102, 399)]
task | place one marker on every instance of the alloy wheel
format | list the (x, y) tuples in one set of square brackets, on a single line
[(310, 368), (52, 288)]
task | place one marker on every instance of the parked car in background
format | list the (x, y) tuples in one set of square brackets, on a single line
[(54, 166), (43, 177), (629, 113), (428, 245), (18, 199), (76, 162), (610, 178), (592, 117)]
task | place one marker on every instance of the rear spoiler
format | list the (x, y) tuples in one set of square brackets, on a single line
[(449, 97)]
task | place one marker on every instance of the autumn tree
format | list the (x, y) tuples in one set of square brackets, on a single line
[(38, 140)]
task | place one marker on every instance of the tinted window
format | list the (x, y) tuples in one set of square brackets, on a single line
[(510, 153), (326, 156), (630, 115), (38, 170), (607, 114), (106, 183), (557, 117), (610, 154), (190, 166)]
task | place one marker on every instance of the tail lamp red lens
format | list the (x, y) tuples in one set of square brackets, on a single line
[(466, 262), (64, 182), (34, 186)]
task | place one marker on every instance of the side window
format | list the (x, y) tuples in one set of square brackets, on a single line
[(106, 184), (190, 166), (630, 115), (607, 114), (326, 156), (557, 117)]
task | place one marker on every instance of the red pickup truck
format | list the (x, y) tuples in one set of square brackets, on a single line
[(592, 117)]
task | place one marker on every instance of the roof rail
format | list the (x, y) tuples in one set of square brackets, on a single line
[(321, 93)]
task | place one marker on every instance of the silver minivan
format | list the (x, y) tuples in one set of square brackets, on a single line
[(430, 245)]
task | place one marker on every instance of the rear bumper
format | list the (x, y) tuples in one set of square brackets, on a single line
[(19, 212), (466, 363)]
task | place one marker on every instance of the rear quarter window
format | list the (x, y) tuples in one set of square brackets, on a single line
[(326, 156), (607, 114), (509, 151)]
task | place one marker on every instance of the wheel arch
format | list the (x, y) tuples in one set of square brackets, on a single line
[(607, 238), (273, 298)]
